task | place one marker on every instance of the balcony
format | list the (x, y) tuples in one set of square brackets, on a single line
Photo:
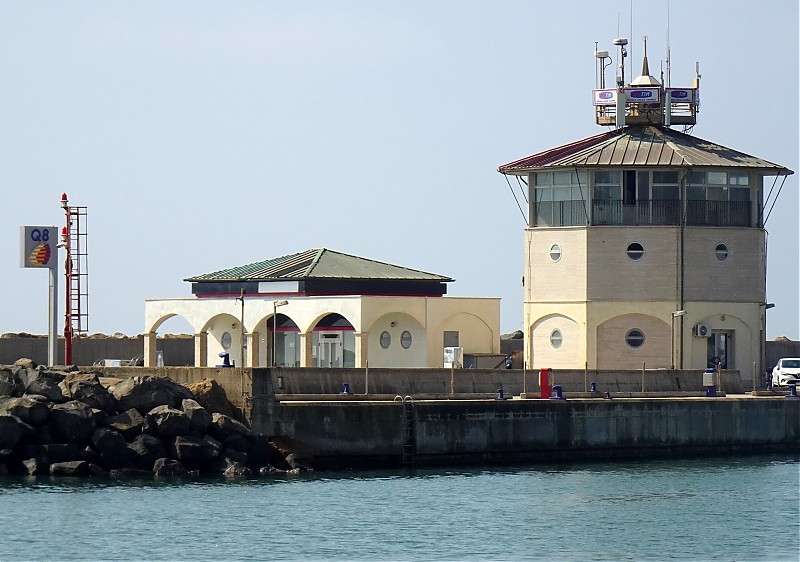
[(647, 213), (719, 213)]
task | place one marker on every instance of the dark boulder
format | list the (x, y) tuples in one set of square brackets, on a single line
[(86, 387), (193, 451), (60, 452), (31, 411), (25, 363), (72, 422), (168, 467), (72, 468), (262, 452), (111, 447), (211, 396), (223, 426), (168, 422), (41, 382), (199, 417), (128, 423), (12, 430), (145, 393), (144, 450), (9, 385), (237, 470), (34, 467), (97, 470)]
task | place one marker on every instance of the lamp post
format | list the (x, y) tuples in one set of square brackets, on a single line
[(672, 335), (275, 305)]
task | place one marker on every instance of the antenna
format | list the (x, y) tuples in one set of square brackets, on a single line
[(631, 35), (621, 42), (669, 76)]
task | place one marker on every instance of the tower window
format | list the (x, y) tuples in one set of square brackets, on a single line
[(635, 251), (634, 338), (721, 252), (556, 338), (386, 340), (555, 252)]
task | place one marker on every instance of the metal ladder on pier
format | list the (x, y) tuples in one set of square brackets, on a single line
[(409, 433), (78, 276)]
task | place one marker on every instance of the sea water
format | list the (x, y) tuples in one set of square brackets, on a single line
[(744, 508)]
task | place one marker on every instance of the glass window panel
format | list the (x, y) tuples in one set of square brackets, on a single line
[(714, 193), (739, 194), (739, 179), (555, 252), (643, 186), (608, 193), (696, 193), (634, 338), (608, 176), (544, 178), (697, 178), (544, 193), (583, 178), (405, 339), (562, 178), (561, 193), (717, 178), (721, 252), (635, 251), (556, 339), (578, 193), (665, 177), (668, 192)]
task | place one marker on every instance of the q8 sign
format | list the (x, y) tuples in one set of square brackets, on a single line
[(38, 246)]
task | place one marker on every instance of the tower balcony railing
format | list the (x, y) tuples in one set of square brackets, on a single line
[(643, 213), (719, 213)]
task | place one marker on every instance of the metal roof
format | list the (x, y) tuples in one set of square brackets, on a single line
[(642, 145), (319, 263)]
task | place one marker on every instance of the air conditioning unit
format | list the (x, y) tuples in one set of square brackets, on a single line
[(702, 330)]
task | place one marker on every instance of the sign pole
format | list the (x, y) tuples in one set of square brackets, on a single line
[(52, 333)]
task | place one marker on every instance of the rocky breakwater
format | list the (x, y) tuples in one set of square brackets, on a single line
[(77, 424)]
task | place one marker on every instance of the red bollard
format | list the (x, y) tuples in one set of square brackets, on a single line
[(544, 382)]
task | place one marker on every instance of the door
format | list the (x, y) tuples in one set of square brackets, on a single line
[(720, 350), (330, 350)]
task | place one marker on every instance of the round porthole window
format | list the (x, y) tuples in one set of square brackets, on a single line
[(226, 340), (556, 338), (635, 251), (721, 252), (405, 339), (634, 338), (386, 340), (555, 252)]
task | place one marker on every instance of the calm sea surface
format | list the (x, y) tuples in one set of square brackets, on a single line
[(709, 509)]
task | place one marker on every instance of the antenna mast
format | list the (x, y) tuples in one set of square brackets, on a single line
[(669, 76)]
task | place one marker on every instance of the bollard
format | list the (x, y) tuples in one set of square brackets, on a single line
[(593, 387), (559, 395), (500, 395), (792, 391), (346, 388), (711, 391), (544, 382)]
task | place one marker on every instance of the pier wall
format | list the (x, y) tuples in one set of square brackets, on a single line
[(472, 431)]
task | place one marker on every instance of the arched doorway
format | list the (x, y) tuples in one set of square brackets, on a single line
[(334, 342), (285, 343)]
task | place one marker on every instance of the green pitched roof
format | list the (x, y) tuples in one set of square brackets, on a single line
[(318, 263)]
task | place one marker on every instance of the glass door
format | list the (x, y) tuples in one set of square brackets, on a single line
[(330, 350), (720, 350)]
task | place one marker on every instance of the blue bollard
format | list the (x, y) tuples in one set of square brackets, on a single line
[(711, 391), (593, 387), (500, 395), (559, 395), (346, 388), (792, 391)]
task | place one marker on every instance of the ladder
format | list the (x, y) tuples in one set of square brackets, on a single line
[(409, 433), (78, 285)]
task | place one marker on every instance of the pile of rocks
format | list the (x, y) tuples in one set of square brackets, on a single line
[(75, 424)]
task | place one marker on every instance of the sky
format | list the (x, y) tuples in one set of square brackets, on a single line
[(203, 135)]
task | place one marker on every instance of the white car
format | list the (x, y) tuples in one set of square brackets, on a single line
[(787, 371)]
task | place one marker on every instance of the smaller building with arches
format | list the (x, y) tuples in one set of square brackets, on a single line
[(322, 308)]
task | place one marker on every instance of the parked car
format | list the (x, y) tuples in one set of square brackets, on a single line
[(787, 371)]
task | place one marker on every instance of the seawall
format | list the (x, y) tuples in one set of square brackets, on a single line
[(480, 431)]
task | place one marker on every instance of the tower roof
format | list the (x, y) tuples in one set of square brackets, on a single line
[(645, 146), (319, 263)]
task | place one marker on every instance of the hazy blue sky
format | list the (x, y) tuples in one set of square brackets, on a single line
[(204, 135)]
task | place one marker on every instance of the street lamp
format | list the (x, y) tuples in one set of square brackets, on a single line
[(672, 334), (275, 305)]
